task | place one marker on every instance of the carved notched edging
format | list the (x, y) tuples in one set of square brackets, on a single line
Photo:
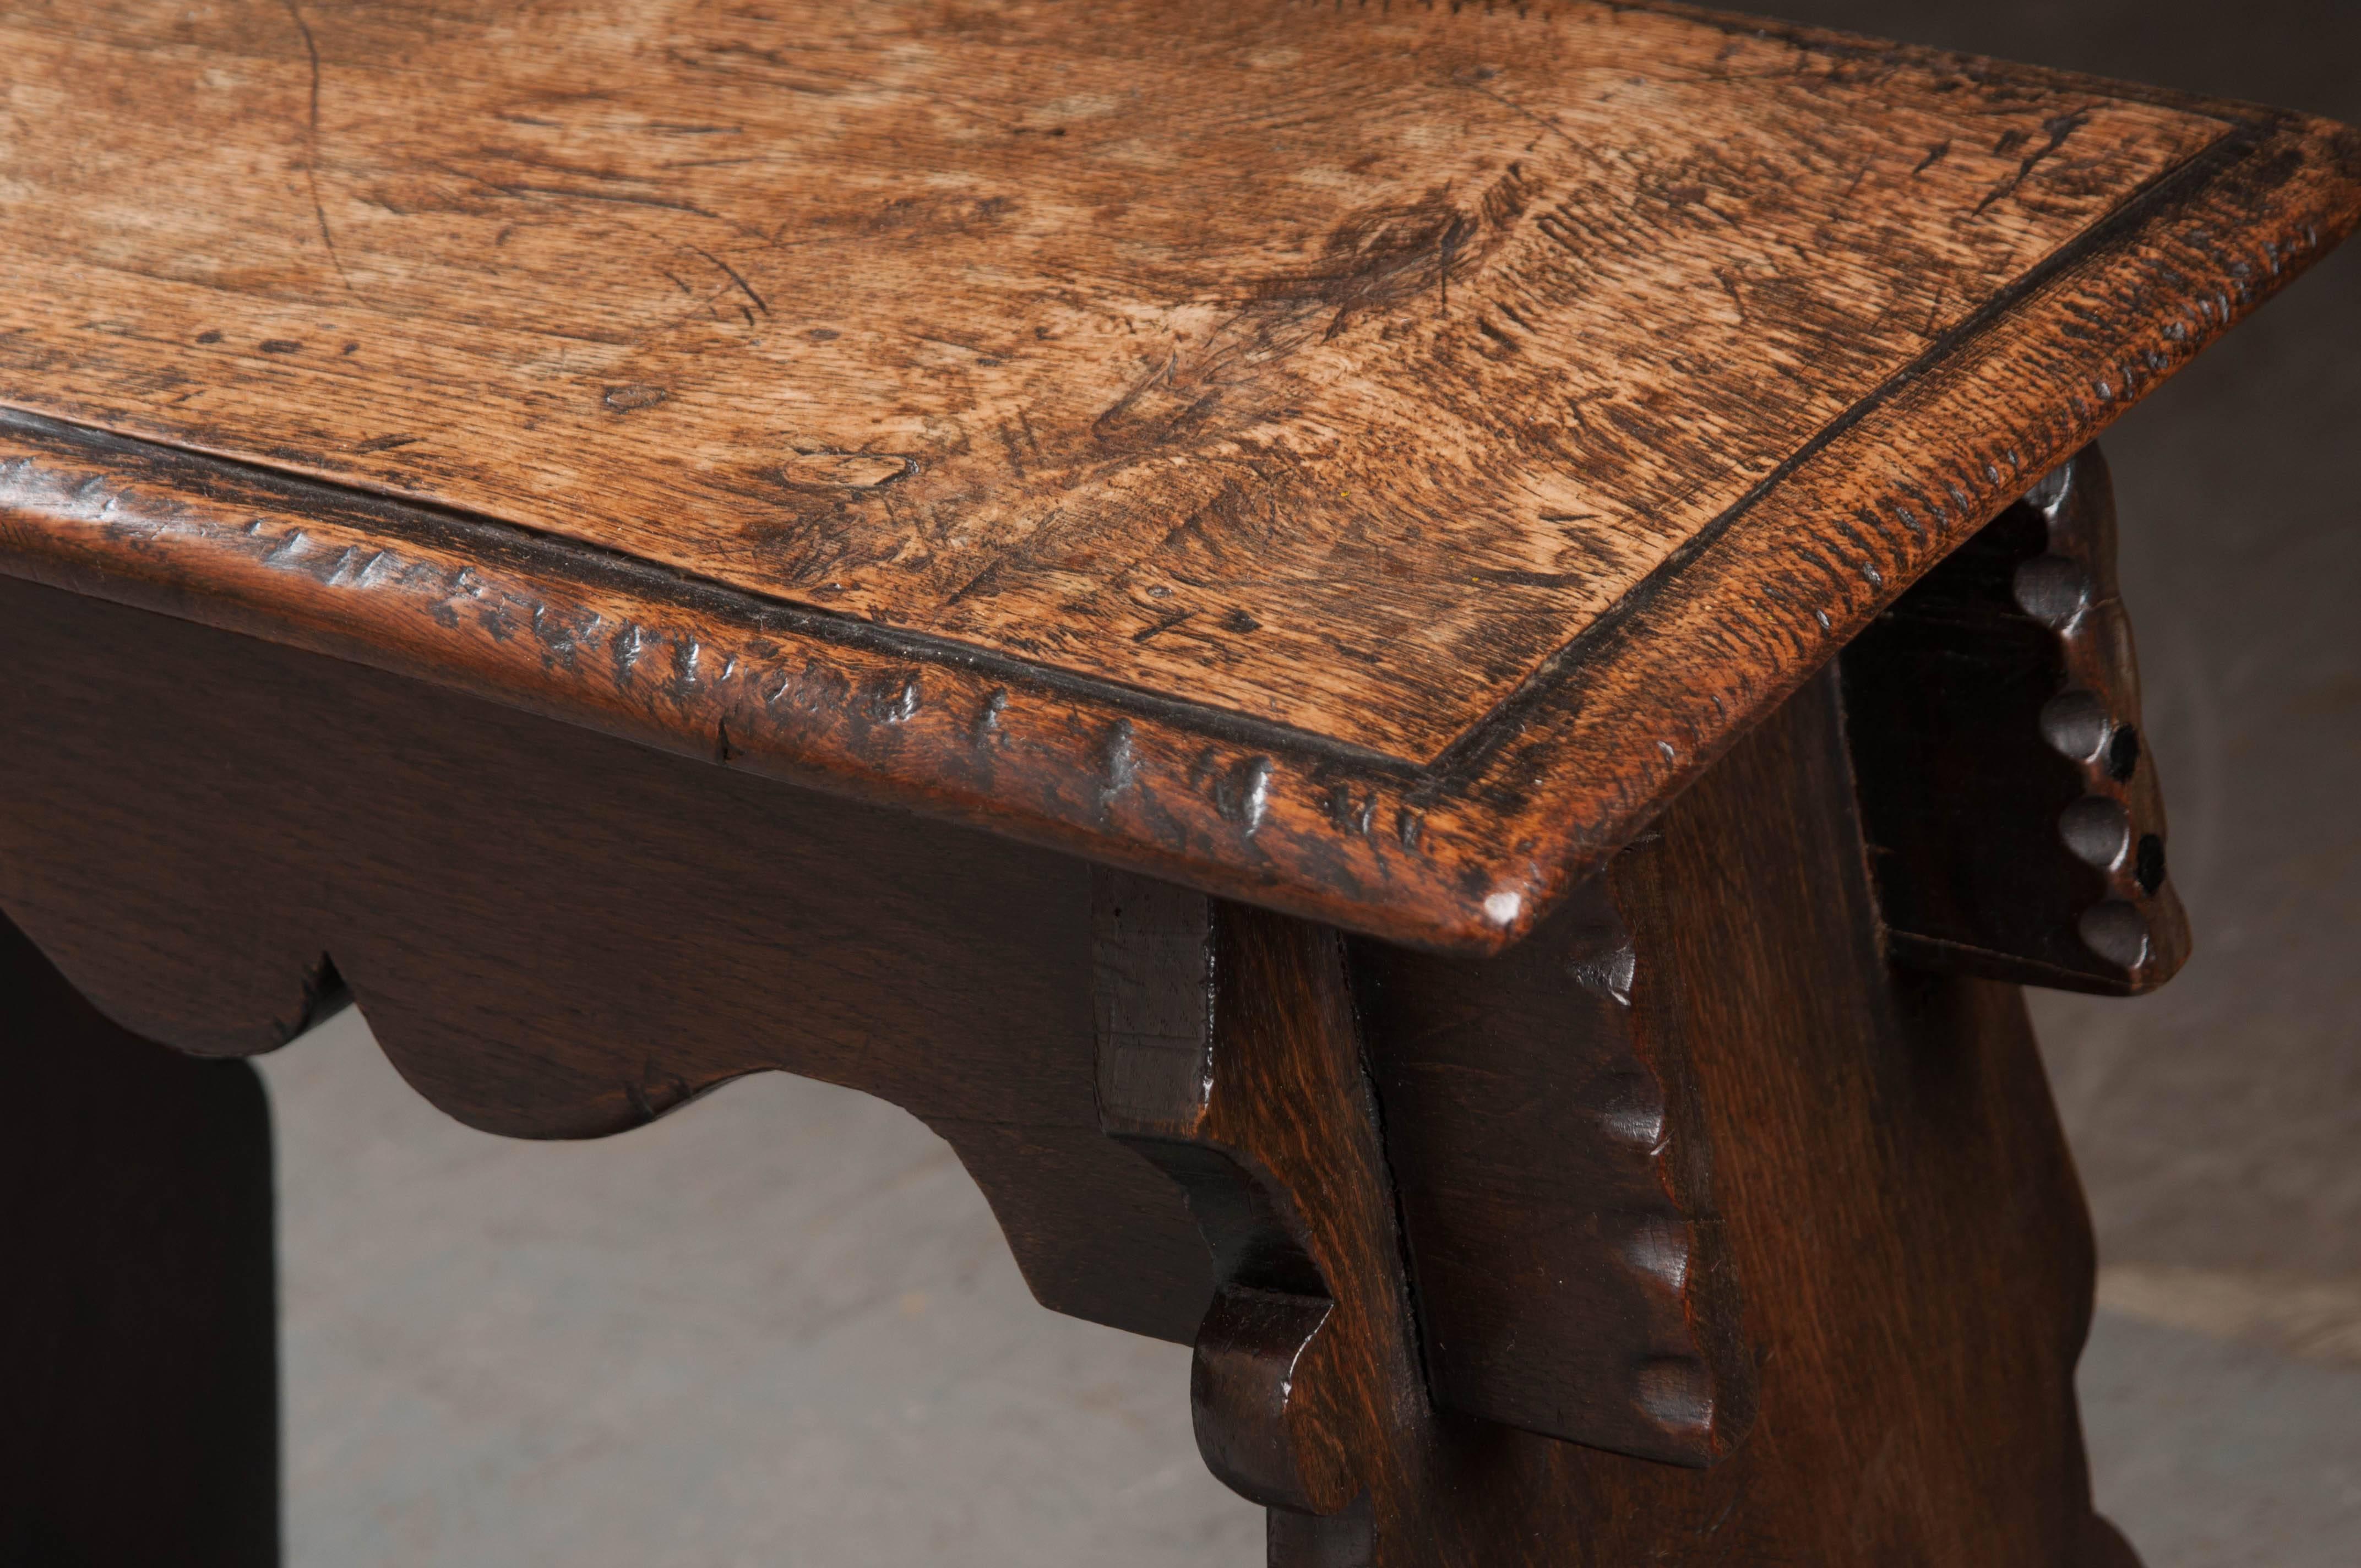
[(1545, 1095), (2116, 826), (2014, 816), (1542, 1159)]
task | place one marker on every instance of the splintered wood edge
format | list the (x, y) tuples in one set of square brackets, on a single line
[(1465, 852)]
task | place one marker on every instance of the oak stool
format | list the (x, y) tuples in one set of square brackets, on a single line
[(1426, 674)]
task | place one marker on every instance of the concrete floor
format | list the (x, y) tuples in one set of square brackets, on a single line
[(777, 1328), (781, 1327)]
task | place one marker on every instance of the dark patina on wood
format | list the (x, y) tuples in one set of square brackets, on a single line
[(554, 933), (1556, 1184), (1358, 461), (139, 1397)]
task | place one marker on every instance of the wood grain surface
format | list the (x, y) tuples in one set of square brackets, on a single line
[(1359, 460)]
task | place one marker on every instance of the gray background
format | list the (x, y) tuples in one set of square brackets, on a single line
[(782, 1328)]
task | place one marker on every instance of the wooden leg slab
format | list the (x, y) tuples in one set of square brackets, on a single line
[(139, 1396), (1892, 1264)]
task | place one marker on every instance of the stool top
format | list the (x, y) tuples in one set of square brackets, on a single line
[(1359, 460)]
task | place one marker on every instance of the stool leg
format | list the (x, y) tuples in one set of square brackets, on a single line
[(139, 1396), (1808, 1216)]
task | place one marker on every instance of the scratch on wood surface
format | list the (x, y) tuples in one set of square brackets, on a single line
[(2059, 129), (312, 142), (735, 277)]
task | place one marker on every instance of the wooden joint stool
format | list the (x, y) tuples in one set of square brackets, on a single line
[(1424, 673)]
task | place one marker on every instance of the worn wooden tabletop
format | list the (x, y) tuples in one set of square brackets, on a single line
[(1359, 459)]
